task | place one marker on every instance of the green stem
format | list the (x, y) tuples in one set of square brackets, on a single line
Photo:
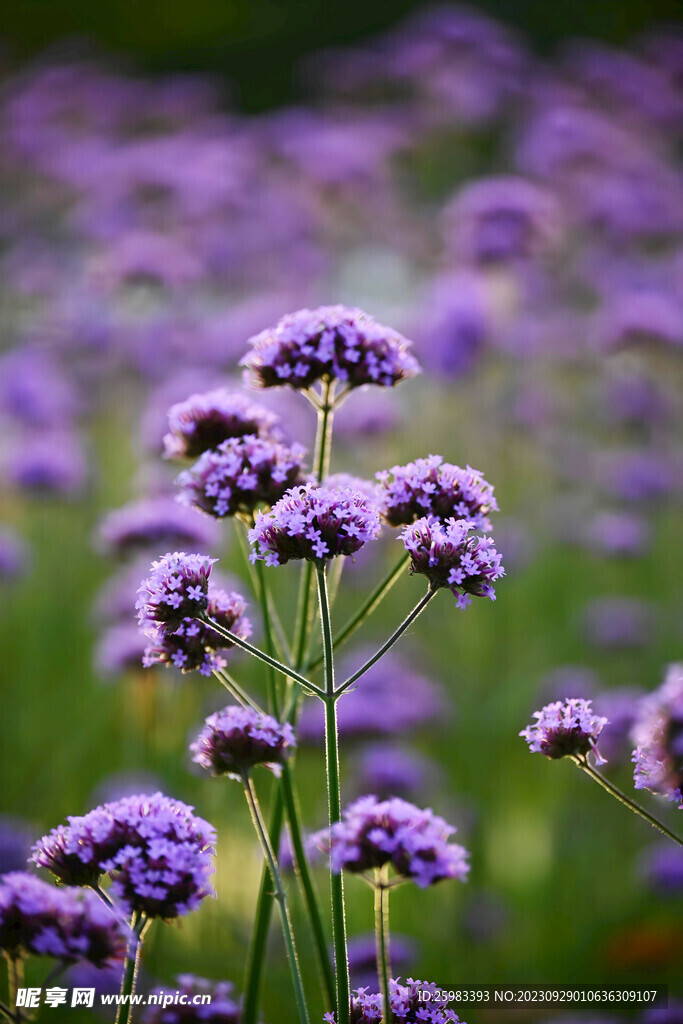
[(257, 948), (131, 968), (262, 656), (583, 764), (15, 978), (396, 635), (235, 690), (4, 1009), (304, 873), (382, 938), (368, 606), (334, 805), (264, 904), (280, 897)]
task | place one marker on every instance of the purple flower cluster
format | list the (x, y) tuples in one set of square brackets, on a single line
[(177, 588), (408, 1004), (203, 421), (315, 522), (373, 833), (240, 475), (565, 729), (157, 850), (658, 734), (451, 555), (155, 523), (221, 1008), (68, 924), (432, 487), (195, 646), (235, 739), (329, 343)]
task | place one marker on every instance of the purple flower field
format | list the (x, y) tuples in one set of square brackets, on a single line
[(249, 361)]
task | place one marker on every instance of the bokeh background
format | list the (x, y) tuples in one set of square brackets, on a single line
[(501, 183)]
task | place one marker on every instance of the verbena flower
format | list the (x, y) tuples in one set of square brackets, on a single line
[(120, 648), (77, 853), (564, 729), (387, 770), (235, 739), (203, 421), (241, 475), (15, 843), (662, 868), (156, 523), (329, 343), (405, 1003), (314, 522), (177, 588), (68, 924), (451, 555), (658, 734), (432, 487), (222, 1008), (163, 878), (195, 646), (373, 833)]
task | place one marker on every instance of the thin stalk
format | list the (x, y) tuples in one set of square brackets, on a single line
[(103, 896), (257, 948), (262, 656), (280, 897), (131, 968), (264, 904), (583, 764), (275, 627), (256, 571), (304, 873), (396, 635), (235, 690), (368, 606), (4, 1009), (334, 805), (382, 939), (15, 978)]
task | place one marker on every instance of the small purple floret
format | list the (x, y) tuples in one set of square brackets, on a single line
[(432, 487), (566, 728), (177, 588), (452, 555)]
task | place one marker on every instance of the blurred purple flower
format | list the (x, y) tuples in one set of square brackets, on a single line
[(661, 867), (640, 475), (658, 735), (53, 462), (640, 317), (363, 958), (614, 622), (620, 707), (393, 698), (387, 770), (14, 555), (15, 844), (453, 323), (34, 390), (203, 421), (155, 523), (222, 1008), (64, 923), (374, 833), (618, 534), (502, 220), (120, 649)]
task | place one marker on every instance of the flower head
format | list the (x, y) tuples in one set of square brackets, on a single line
[(177, 588), (68, 924), (658, 734), (203, 421), (407, 1002), (451, 555), (195, 646), (241, 475), (156, 523), (235, 739), (78, 853), (163, 878), (374, 833), (315, 522), (329, 343), (564, 729), (432, 487), (222, 1007)]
